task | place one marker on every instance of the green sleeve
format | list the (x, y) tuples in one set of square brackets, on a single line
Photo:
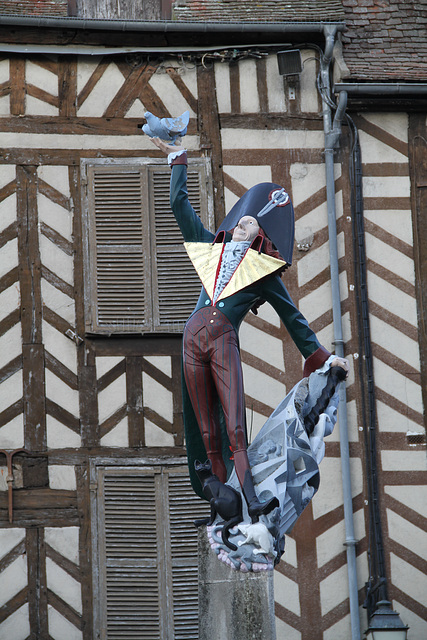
[(189, 222), (275, 292)]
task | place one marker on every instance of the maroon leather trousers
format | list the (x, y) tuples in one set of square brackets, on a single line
[(212, 371)]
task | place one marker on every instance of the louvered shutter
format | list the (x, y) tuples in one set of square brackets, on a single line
[(139, 277), (119, 247), (176, 285), (148, 553)]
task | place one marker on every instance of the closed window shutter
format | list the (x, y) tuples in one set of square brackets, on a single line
[(119, 247), (176, 286), (148, 553), (139, 277)]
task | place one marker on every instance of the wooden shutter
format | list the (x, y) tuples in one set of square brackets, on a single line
[(148, 553), (139, 277), (176, 286), (119, 247)]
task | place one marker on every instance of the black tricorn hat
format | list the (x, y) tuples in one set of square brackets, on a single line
[(271, 206)]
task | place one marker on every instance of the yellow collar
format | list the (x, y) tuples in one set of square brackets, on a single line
[(254, 266)]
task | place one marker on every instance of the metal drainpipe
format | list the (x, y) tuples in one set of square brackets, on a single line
[(332, 131)]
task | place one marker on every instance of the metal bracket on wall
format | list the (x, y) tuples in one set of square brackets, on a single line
[(9, 478)]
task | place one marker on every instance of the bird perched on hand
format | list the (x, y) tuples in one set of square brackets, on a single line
[(168, 129)]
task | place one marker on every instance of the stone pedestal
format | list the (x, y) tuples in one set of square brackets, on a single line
[(233, 605)]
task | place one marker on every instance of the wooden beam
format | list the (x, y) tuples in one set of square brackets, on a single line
[(135, 409), (67, 86), (210, 135), (37, 587), (85, 547), (17, 86)]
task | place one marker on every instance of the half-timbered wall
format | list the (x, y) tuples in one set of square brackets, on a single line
[(73, 399)]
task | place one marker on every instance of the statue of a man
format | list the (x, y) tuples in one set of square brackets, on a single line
[(237, 270)]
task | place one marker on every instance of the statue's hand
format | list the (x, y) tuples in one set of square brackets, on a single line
[(343, 363), (165, 147)]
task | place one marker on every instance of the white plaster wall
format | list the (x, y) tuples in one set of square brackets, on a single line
[(13, 579), (60, 628), (169, 94), (65, 540), (58, 436), (249, 100), (103, 92), (275, 87), (62, 477), (222, 81), (16, 626)]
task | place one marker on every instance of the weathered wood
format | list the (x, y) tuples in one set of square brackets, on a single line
[(9, 321), (418, 171), (67, 565), (178, 418), (43, 498), (8, 234), (85, 548), (270, 121), (37, 588), (93, 80), (17, 86), (10, 368), (67, 86), (134, 399), (112, 421), (56, 238), (28, 246), (64, 609), (11, 412), (41, 94), (210, 135), (53, 194), (7, 190), (136, 86), (81, 455), (78, 125), (62, 415), (11, 556), (34, 397), (13, 604), (55, 320), (234, 87), (35, 472), (129, 347), (56, 282), (261, 77), (157, 375), (111, 375), (88, 396), (182, 87), (31, 518), (9, 279), (61, 371)]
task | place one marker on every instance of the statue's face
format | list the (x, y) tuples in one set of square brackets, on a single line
[(246, 230)]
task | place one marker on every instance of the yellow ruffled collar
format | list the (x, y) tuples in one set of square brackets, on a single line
[(254, 266)]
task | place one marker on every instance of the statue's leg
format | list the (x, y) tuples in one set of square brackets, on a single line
[(227, 374), (202, 392)]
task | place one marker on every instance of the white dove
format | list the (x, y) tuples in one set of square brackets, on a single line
[(168, 129)]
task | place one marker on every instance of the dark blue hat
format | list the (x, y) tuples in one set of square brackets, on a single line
[(271, 206)]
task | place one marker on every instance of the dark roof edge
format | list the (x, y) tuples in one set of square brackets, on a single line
[(382, 88), (168, 26)]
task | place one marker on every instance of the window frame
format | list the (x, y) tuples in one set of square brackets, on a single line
[(139, 466), (154, 321)]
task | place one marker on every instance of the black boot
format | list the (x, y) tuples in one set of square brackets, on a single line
[(243, 471)]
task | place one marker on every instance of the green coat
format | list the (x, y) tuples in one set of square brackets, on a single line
[(235, 307)]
